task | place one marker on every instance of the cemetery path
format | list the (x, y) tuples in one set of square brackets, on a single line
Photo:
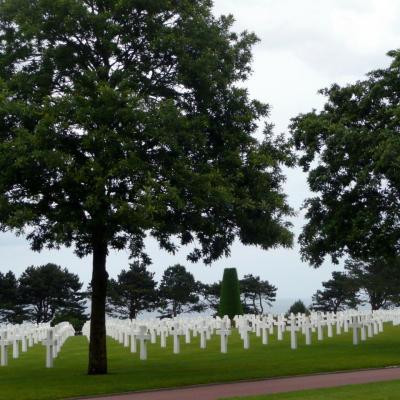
[(267, 386)]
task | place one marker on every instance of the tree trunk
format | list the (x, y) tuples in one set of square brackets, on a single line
[(97, 346), (261, 305)]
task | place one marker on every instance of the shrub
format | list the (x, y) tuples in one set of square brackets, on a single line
[(230, 303)]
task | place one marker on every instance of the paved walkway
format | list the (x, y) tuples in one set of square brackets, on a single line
[(275, 385)]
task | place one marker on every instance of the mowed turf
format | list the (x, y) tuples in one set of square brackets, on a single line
[(369, 391), (27, 378)]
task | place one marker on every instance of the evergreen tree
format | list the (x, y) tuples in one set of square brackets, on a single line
[(350, 150), (378, 279), (121, 119), (298, 307), (256, 294), (10, 308), (49, 289), (339, 293), (230, 303), (133, 292), (178, 292)]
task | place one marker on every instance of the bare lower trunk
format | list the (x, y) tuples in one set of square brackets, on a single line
[(97, 347)]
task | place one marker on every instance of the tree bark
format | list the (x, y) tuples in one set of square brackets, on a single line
[(261, 305), (97, 346)]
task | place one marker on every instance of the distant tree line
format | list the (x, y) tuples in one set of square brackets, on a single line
[(49, 293), (375, 282), (135, 290)]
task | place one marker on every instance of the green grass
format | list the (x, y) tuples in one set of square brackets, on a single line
[(370, 391), (27, 378)]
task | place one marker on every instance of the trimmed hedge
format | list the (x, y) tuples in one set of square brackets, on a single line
[(230, 303)]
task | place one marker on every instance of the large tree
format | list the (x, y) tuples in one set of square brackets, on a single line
[(378, 279), (47, 290), (132, 292), (179, 291), (338, 293), (123, 119), (256, 294), (10, 308), (351, 151)]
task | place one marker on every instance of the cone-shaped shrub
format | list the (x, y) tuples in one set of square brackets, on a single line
[(230, 303)]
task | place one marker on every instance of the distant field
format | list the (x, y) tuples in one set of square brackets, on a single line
[(26, 377), (370, 391)]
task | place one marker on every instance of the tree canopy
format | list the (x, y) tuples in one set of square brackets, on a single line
[(338, 293), (351, 151), (124, 119), (47, 290), (298, 307), (178, 291), (10, 308), (378, 279), (230, 303), (256, 294), (133, 292)]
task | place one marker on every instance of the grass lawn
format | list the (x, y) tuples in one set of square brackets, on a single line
[(27, 378), (370, 391)]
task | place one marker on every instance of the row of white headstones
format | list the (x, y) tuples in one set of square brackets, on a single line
[(131, 332), (23, 336)]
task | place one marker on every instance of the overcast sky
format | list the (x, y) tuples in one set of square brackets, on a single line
[(305, 45)]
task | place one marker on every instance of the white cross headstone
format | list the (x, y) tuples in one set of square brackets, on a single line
[(320, 332), (355, 325), (330, 330), (49, 342), (246, 329), (133, 341), (163, 336), (203, 331), (363, 329), (187, 335), (224, 332), (280, 324), (338, 327), (126, 338), (175, 334), (293, 328), (15, 346), (24, 344), (4, 349), (370, 330), (153, 335), (265, 329), (143, 337)]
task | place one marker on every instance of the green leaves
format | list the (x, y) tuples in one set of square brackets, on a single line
[(47, 290), (178, 291), (126, 118), (230, 303), (338, 293), (349, 151), (133, 292)]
